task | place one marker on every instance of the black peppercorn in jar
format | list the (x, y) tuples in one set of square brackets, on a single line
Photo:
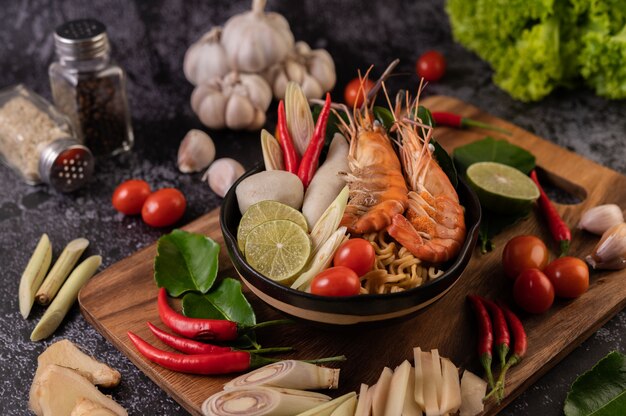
[(91, 89)]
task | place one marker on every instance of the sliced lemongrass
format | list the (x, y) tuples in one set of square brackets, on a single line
[(451, 388), (329, 221), (34, 274), (272, 153), (333, 406), (62, 303), (299, 118), (379, 398), (261, 401), (320, 260), (397, 389), (61, 269), (291, 374)]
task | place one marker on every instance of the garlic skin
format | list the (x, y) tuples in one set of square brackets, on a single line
[(313, 70), (196, 151), (206, 59), (222, 174), (255, 40), (599, 219), (610, 252), (237, 101)]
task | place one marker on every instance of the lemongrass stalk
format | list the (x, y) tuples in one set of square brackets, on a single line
[(61, 269), (330, 219), (261, 401), (68, 294), (329, 408), (299, 118), (34, 274), (291, 374), (272, 153)]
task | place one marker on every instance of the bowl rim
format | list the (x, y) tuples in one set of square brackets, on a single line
[(460, 262)]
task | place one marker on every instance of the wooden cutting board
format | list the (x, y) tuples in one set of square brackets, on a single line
[(123, 297)]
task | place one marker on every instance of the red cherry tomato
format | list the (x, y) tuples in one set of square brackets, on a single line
[(164, 207), (569, 276), (353, 94), (336, 281), (431, 66), (533, 291), (129, 196), (357, 254), (524, 252)]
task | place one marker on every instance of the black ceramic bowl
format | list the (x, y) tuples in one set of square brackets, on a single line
[(351, 310)]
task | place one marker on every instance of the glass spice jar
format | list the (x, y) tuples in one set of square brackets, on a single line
[(37, 141), (91, 89)]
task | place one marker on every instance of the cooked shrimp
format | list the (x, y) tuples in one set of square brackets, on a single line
[(433, 226), (377, 187)]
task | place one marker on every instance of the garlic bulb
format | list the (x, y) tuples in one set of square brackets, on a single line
[(599, 219), (206, 59), (313, 70), (610, 252), (256, 40), (222, 174), (237, 101), (195, 152)]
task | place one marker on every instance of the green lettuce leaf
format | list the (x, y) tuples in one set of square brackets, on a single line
[(186, 262), (600, 391), (492, 150)]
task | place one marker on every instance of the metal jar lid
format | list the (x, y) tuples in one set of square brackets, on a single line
[(66, 165), (81, 39)]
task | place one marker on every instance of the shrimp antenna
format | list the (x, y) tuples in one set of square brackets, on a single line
[(389, 101), (372, 93), (335, 106)]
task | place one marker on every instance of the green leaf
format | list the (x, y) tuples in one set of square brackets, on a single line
[(492, 150), (600, 391), (492, 224), (384, 117), (226, 301), (186, 262)]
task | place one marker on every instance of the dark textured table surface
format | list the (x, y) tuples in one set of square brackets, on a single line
[(149, 40)]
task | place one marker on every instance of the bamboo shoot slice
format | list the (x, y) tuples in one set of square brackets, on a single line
[(329, 408), (290, 374), (451, 388), (419, 378), (397, 390), (379, 398), (410, 406), (261, 401), (473, 390), (431, 406), (364, 405), (438, 378)]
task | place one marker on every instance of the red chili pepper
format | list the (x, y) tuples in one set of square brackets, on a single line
[(519, 348), (559, 230), (290, 156), (460, 122), (190, 346), (485, 336), (502, 336), (208, 329), (310, 159)]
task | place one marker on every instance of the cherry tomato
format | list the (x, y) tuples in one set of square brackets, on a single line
[(356, 254), (336, 281), (569, 276), (164, 207), (533, 291), (129, 196), (431, 66), (353, 94), (524, 252)]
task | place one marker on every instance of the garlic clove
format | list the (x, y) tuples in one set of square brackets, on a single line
[(610, 252), (295, 72), (211, 111), (599, 219), (196, 151), (258, 121), (222, 174), (280, 85), (240, 113), (322, 68), (311, 87)]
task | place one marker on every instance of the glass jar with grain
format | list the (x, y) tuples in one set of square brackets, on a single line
[(90, 88), (38, 142)]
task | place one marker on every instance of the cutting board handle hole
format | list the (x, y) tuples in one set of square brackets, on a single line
[(559, 189)]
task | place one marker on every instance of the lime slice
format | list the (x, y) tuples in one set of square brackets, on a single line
[(502, 188), (266, 211), (278, 249)]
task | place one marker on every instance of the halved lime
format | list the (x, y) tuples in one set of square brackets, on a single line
[(502, 188), (278, 249), (266, 211)]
